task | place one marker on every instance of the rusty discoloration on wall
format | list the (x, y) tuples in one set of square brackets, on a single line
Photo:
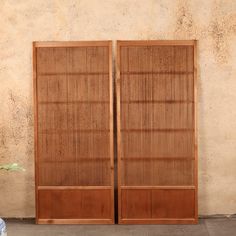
[(185, 25), (222, 29), (212, 22)]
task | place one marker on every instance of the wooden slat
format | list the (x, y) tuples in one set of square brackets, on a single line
[(74, 73), (155, 72), (70, 44), (158, 187), (133, 43), (156, 103), (75, 102), (74, 131), (166, 158), (153, 101), (196, 124), (35, 101), (72, 187)]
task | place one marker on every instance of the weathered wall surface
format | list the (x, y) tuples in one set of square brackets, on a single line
[(212, 22)]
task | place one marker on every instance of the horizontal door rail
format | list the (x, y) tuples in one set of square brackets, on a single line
[(72, 73), (75, 131), (157, 158), (158, 187), (155, 72), (157, 101), (73, 102), (157, 130), (73, 187), (77, 159)]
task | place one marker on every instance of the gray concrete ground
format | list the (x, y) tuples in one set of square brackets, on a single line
[(206, 227)]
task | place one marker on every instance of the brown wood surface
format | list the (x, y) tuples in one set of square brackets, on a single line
[(74, 204), (74, 132), (158, 204), (156, 123)]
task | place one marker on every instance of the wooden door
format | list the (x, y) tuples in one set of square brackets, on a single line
[(73, 132), (157, 135)]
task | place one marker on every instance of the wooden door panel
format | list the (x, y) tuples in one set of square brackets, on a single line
[(162, 143), (173, 203), (73, 117), (156, 87), (87, 204), (162, 116), (73, 132), (92, 88), (136, 204), (157, 136), (140, 172), (145, 204)]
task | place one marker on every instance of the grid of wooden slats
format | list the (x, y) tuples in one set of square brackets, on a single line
[(74, 132), (156, 132)]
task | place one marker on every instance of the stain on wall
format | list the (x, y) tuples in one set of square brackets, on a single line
[(212, 22)]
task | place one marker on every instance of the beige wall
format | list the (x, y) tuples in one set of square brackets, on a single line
[(212, 22)]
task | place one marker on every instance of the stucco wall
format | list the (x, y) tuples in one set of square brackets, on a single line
[(212, 22)]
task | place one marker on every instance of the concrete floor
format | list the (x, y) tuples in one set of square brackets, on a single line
[(206, 227)]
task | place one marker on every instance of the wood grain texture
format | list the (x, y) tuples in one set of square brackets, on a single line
[(158, 204), (156, 101), (74, 130), (74, 204)]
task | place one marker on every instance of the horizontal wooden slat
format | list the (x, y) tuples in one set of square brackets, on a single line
[(72, 187), (74, 102), (156, 158), (134, 43), (157, 130), (74, 73), (58, 131), (75, 159), (158, 187), (70, 43), (157, 101), (155, 72)]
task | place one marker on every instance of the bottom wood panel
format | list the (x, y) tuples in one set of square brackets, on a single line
[(75, 206), (165, 206)]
